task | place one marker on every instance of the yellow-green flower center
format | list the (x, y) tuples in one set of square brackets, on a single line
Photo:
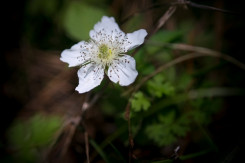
[(105, 53)]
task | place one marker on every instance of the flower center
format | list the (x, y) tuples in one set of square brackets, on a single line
[(105, 53)]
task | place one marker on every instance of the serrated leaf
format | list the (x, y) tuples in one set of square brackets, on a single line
[(158, 86), (80, 18), (179, 130), (167, 119), (167, 130), (160, 134), (139, 102)]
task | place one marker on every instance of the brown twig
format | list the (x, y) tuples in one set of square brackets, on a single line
[(63, 142), (169, 64), (196, 53), (162, 20), (87, 146), (209, 52), (130, 137), (192, 4), (61, 146), (71, 125)]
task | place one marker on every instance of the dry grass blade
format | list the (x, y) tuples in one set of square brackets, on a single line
[(160, 23), (196, 52), (163, 19)]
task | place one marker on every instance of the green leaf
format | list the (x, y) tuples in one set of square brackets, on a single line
[(160, 134), (29, 136), (42, 129), (158, 86), (143, 65), (80, 18), (167, 36), (184, 81), (167, 119), (168, 128), (139, 102), (147, 69), (163, 37)]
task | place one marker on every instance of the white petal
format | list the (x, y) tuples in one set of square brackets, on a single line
[(90, 76), (107, 23), (75, 56), (106, 27), (79, 45), (123, 70), (135, 39)]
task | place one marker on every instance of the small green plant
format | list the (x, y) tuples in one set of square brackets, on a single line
[(139, 102), (28, 138)]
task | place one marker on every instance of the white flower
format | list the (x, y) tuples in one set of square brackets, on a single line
[(105, 52)]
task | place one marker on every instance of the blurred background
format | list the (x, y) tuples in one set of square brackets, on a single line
[(191, 111)]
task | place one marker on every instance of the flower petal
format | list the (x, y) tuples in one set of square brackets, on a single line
[(107, 23), (135, 39), (79, 45), (90, 76), (107, 28), (123, 70), (77, 55)]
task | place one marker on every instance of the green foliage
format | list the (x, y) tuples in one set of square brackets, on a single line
[(184, 82), (203, 109), (166, 111), (159, 86), (80, 18), (162, 37), (139, 102), (168, 128), (166, 36), (28, 137), (161, 109), (143, 65)]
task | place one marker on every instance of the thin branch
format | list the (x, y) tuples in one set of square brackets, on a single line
[(160, 23), (163, 19), (87, 146), (183, 3), (163, 67), (66, 136), (196, 53), (214, 92), (191, 4), (148, 8), (130, 137), (63, 141), (209, 52)]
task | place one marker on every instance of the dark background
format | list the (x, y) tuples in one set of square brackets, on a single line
[(18, 90)]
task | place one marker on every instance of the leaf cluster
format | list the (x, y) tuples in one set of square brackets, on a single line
[(28, 138)]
